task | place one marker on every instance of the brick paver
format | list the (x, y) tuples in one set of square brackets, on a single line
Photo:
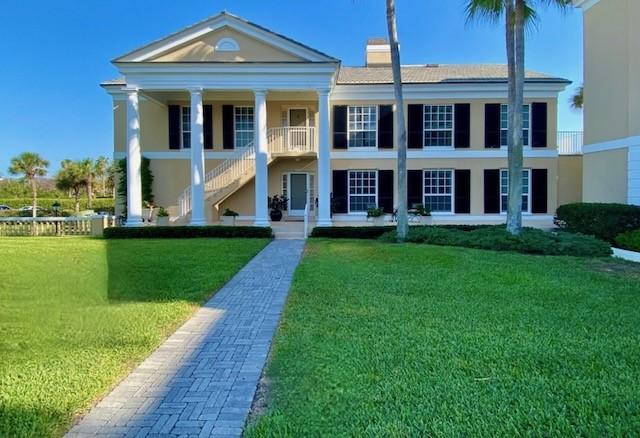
[(202, 380)]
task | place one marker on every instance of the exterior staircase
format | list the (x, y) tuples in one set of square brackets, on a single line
[(237, 170)]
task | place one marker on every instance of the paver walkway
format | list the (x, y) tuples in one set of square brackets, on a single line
[(202, 380)]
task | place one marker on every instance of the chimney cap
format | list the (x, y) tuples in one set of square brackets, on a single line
[(377, 42)]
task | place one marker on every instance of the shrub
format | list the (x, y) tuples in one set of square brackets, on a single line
[(530, 241), (350, 232), (186, 232), (99, 204), (604, 221), (629, 240)]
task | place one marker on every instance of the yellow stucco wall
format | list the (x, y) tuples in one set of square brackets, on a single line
[(605, 176), (203, 49), (569, 179)]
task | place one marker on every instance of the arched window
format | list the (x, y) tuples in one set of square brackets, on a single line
[(227, 45)]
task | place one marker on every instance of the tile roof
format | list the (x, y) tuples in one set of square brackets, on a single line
[(435, 73)]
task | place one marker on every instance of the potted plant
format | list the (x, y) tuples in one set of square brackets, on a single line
[(424, 213), (277, 204), (229, 217), (162, 218), (377, 214)]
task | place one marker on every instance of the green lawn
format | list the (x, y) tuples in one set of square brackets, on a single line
[(77, 313), (415, 340)]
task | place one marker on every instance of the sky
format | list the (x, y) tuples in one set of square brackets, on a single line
[(55, 53)]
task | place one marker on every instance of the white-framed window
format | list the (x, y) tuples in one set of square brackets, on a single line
[(244, 125), (438, 125), (185, 125), (362, 126), (526, 190), (438, 190), (504, 125), (363, 190)]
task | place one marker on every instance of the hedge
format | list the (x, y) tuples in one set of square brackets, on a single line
[(629, 240), (184, 232), (604, 221), (350, 232), (65, 203), (496, 237)]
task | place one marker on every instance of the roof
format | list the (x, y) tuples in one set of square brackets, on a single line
[(436, 73)]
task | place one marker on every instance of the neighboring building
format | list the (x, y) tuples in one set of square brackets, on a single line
[(230, 113), (611, 171)]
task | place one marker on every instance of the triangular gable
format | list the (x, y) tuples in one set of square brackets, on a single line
[(225, 38)]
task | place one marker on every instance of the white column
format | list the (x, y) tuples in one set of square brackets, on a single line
[(197, 159), (134, 159), (262, 183), (324, 160)]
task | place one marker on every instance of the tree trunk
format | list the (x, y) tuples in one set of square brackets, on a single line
[(401, 136), (34, 195), (515, 55), (76, 196), (90, 192)]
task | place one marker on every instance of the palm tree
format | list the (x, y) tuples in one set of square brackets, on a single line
[(72, 177), (88, 168), (101, 170), (31, 166), (577, 100), (403, 219), (517, 14)]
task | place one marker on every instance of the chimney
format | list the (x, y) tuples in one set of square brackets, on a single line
[(378, 53)]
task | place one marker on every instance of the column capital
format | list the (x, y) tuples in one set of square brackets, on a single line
[(195, 90), (131, 90), (260, 92), (323, 91)]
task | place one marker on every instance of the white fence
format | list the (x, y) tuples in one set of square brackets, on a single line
[(570, 142), (55, 226)]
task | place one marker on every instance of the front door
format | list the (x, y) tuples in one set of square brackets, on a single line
[(298, 193), (297, 127)]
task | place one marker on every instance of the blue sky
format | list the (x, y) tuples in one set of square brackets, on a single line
[(56, 52)]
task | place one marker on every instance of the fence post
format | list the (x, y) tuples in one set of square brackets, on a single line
[(97, 225)]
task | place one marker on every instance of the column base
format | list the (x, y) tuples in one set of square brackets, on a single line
[(197, 222), (133, 221), (261, 222), (324, 223)]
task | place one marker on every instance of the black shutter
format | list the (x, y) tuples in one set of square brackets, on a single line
[(492, 125), (415, 124), (539, 191), (340, 127), (415, 186), (228, 127), (492, 190), (462, 195), (385, 190), (539, 125), (462, 125), (207, 126), (174, 126), (339, 197), (385, 127)]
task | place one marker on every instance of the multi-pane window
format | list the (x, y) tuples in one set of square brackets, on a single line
[(438, 190), (363, 123), (186, 127), (362, 190), (504, 189), (504, 125), (244, 125), (438, 125)]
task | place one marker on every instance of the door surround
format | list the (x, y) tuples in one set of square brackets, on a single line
[(299, 213)]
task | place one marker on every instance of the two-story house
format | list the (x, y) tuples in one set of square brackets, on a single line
[(229, 113)]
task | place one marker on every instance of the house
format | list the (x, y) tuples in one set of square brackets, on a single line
[(611, 169), (229, 113)]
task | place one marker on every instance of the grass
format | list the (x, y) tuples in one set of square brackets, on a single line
[(77, 313), (417, 340)]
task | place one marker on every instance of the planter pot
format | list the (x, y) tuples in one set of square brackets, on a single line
[(162, 221), (276, 215), (426, 220), (378, 221), (229, 220)]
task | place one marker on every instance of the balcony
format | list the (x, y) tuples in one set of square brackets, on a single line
[(292, 141), (570, 142)]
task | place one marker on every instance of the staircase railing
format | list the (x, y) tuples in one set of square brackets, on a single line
[(242, 162)]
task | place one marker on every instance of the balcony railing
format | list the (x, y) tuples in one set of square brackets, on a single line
[(291, 140), (570, 142)]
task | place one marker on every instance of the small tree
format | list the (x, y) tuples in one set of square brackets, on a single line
[(72, 178), (88, 169), (577, 100), (31, 166), (101, 166)]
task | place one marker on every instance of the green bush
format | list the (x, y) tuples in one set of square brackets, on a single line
[(350, 232), (184, 232), (530, 241), (629, 240), (604, 221), (99, 204)]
